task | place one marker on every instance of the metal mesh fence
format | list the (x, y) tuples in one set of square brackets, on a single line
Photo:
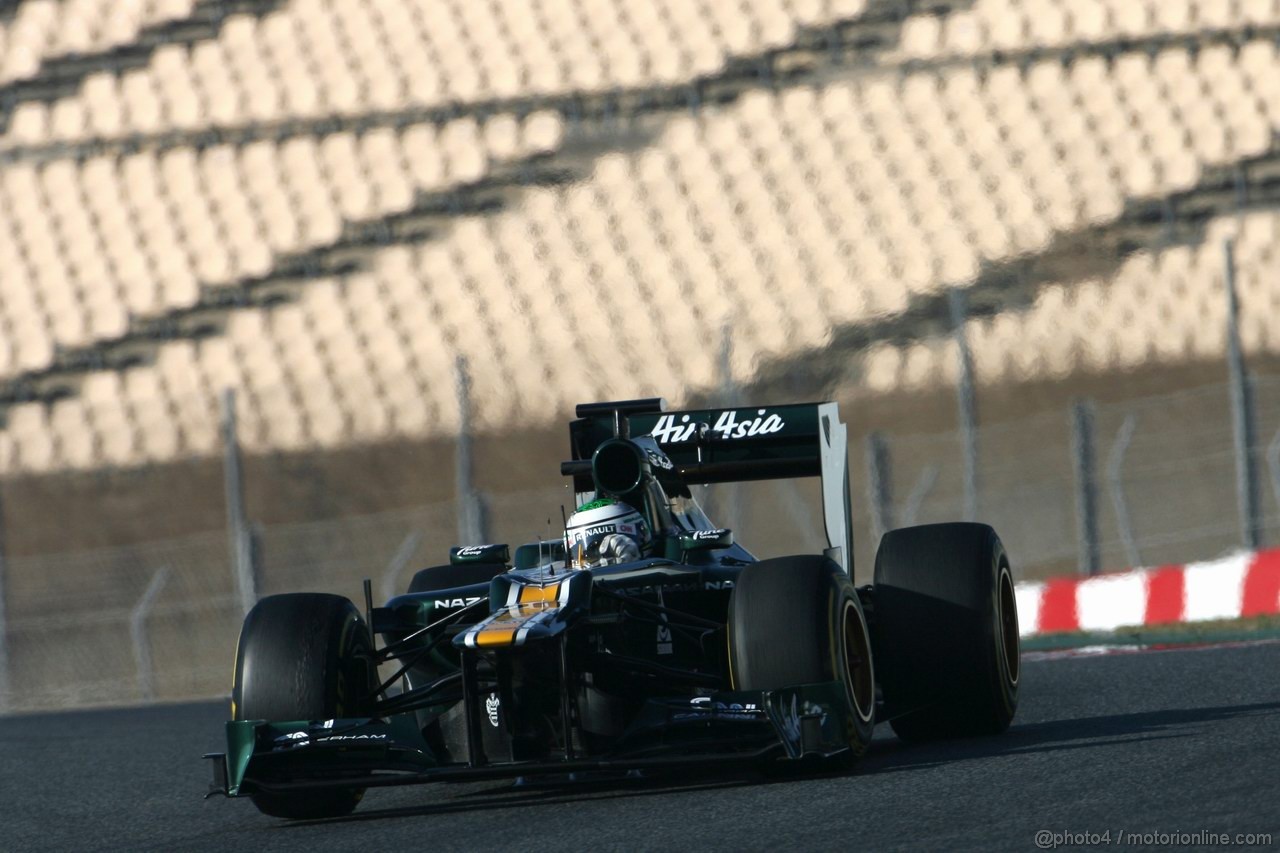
[(71, 624), (158, 620), (1165, 478)]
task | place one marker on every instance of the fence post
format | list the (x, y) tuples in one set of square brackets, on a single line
[(4, 620), (1082, 457), (1115, 480), (967, 403), (1273, 462), (927, 480), (879, 485), (239, 537), (471, 509), (1241, 410), (138, 633)]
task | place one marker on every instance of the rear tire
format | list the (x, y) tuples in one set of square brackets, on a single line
[(946, 631), (798, 620), (450, 576), (303, 656)]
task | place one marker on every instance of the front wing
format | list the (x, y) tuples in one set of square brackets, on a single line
[(722, 730)]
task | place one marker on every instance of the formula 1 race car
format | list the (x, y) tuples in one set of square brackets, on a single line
[(691, 651)]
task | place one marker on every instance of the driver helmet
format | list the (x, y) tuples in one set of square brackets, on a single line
[(603, 532)]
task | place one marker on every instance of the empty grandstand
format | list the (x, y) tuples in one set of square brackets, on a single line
[(323, 204)]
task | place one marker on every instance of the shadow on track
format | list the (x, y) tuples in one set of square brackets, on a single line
[(512, 796), (1055, 735), (885, 756)]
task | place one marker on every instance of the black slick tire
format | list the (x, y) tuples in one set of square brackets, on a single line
[(946, 631), (798, 620), (303, 656)]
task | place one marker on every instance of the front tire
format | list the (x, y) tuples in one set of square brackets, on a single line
[(946, 631), (798, 620), (303, 656)]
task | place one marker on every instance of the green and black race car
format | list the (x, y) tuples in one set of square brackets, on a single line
[(686, 650)]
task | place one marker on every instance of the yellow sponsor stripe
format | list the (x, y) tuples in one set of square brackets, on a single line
[(539, 594), (496, 637), (502, 628)]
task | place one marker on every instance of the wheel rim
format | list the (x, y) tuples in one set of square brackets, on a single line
[(1007, 634), (858, 674)]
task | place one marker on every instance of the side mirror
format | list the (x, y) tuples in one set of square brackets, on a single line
[(706, 540)]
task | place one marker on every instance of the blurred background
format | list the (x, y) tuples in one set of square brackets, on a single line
[(299, 292)]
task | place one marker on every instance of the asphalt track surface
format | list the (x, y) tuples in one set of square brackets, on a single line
[(1155, 741)]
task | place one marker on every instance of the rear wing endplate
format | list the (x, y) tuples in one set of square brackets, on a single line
[(732, 445)]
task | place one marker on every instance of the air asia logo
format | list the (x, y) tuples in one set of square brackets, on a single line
[(491, 705), (727, 425)]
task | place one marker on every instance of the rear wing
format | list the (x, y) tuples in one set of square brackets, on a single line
[(732, 445)]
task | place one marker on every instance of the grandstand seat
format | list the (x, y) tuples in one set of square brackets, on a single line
[(784, 210), (34, 441)]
